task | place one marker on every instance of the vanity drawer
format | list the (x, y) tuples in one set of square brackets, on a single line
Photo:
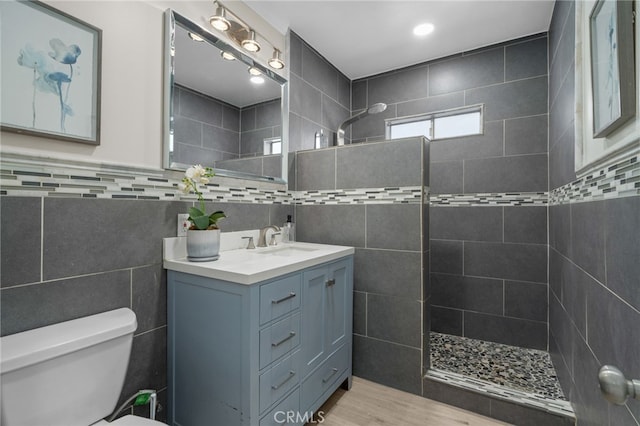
[(278, 380), (278, 339), (319, 381), (279, 298), (278, 415)]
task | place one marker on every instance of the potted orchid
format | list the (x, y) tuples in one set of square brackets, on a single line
[(203, 237)]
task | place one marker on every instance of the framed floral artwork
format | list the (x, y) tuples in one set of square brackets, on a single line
[(607, 60), (50, 65), (612, 68)]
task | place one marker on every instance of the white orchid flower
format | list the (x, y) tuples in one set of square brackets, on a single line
[(199, 172), (204, 180), (190, 173), (184, 187)]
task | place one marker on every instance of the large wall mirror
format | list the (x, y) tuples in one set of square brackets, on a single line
[(217, 113)]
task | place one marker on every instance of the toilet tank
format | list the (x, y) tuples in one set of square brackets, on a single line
[(65, 374)]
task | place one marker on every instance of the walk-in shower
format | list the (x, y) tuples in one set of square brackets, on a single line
[(373, 109)]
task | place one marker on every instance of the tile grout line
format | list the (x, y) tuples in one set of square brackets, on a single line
[(42, 199)]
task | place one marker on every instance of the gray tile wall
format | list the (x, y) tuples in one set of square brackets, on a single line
[(259, 122), (495, 296), (64, 258), (320, 95), (198, 122), (561, 94), (212, 132), (489, 273), (510, 79), (594, 247), (488, 264), (390, 290)]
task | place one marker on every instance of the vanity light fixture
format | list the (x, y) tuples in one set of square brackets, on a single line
[(195, 37), (242, 34), (219, 20), (257, 79), (250, 43), (275, 61), (254, 71), (227, 56), (423, 29)]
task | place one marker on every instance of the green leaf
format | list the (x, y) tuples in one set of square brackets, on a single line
[(199, 219), (195, 212), (201, 222), (215, 216)]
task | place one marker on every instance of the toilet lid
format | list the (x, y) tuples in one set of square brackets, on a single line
[(130, 421)]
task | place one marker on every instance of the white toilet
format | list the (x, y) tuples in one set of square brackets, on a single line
[(68, 374)]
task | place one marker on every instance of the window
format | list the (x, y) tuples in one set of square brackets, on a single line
[(273, 146), (437, 125)]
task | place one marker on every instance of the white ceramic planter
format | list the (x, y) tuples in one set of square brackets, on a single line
[(203, 246)]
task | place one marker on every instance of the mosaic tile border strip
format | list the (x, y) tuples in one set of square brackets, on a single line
[(491, 199), (491, 390), (618, 180), (395, 195), (60, 181), (71, 182)]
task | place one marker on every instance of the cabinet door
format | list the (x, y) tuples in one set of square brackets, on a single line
[(313, 318), (337, 310)]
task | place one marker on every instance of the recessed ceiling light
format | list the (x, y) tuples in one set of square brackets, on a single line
[(256, 79), (254, 71), (423, 29)]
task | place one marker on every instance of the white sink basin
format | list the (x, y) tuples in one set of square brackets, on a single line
[(244, 266), (288, 250)]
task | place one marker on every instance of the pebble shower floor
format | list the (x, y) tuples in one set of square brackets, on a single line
[(521, 375)]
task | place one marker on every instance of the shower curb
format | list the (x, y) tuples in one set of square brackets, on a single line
[(521, 408)]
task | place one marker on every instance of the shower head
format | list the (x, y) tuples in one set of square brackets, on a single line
[(373, 109), (376, 108)]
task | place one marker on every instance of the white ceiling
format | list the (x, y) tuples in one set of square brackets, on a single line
[(363, 38)]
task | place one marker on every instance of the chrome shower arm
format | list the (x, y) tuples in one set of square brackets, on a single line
[(373, 109), (343, 127)]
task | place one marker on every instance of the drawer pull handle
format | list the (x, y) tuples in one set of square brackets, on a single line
[(291, 374), (333, 371), (291, 334), (331, 282), (290, 296)]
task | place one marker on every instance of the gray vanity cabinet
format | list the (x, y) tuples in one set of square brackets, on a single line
[(252, 354), (326, 327)]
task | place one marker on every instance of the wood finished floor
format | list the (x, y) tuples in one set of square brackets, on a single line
[(369, 403)]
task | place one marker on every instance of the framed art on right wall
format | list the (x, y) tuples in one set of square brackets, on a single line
[(612, 76), (606, 112)]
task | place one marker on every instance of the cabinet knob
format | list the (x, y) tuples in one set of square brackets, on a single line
[(331, 282)]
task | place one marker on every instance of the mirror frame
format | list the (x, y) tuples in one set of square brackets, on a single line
[(173, 18)]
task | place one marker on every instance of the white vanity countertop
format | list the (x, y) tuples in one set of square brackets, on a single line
[(244, 266)]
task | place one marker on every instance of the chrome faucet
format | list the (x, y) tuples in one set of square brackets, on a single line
[(262, 239)]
